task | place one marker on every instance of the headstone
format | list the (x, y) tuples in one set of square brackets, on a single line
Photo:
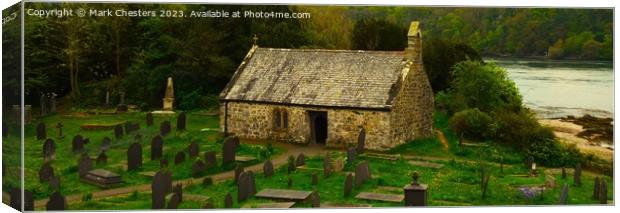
[(16, 198), (118, 131), (168, 100), (564, 195), (550, 181), (246, 186), (301, 160), (603, 192), (174, 201), (41, 131), (348, 185), (268, 168), (134, 156), (157, 147), (45, 172), (210, 159), (290, 182), (415, 192), (102, 158), (77, 144), (54, 182), (160, 187), (228, 201), (179, 158), (351, 154), (577, 175), (238, 170), (181, 120), (56, 202), (164, 128), (198, 168), (315, 200), (315, 179), (105, 143), (59, 127), (178, 190), (228, 149), (291, 164), (149, 119), (338, 165), (49, 149), (362, 173), (85, 164), (597, 188), (163, 163), (361, 140), (563, 173), (327, 165), (193, 149)]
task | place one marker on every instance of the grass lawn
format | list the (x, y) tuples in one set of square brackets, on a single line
[(65, 164)]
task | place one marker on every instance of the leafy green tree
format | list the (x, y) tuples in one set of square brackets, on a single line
[(373, 34), (440, 56)]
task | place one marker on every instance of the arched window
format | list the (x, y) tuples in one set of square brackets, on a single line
[(280, 119)]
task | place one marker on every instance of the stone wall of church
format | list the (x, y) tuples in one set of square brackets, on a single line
[(256, 121)]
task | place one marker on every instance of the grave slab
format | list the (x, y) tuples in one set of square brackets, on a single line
[(380, 197), (277, 205), (426, 164), (284, 194)]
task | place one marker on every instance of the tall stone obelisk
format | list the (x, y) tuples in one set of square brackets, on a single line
[(169, 97)]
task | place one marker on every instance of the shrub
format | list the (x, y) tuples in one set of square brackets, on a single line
[(471, 123)]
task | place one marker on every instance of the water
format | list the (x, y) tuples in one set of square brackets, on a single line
[(559, 88)]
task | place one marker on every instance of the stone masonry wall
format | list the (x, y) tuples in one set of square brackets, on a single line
[(256, 121)]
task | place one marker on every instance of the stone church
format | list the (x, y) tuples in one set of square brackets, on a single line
[(330, 96)]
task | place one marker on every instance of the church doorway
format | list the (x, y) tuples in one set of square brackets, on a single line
[(318, 126)]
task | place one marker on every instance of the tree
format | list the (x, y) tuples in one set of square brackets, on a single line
[(440, 56), (372, 34)]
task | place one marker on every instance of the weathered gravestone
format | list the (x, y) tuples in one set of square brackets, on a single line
[(577, 175), (339, 164), (315, 201), (178, 190), (164, 128), (228, 201), (174, 202), (54, 182), (41, 131), (193, 149), (85, 164), (268, 168), (228, 149), (238, 170), (291, 164), (134, 156), (199, 168), (56, 202), (49, 149), (59, 126), (160, 187), (149, 119), (351, 154), (603, 192), (45, 172), (246, 186), (105, 143), (327, 165), (181, 120), (210, 159), (301, 160), (597, 188), (362, 173), (118, 131), (315, 179), (16, 200), (179, 158), (564, 195), (77, 144), (157, 147), (361, 141), (415, 192), (348, 185), (102, 158)]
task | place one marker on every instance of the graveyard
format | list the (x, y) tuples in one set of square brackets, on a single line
[(272, 174)]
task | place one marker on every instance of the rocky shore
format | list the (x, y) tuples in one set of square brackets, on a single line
[(590, 134)]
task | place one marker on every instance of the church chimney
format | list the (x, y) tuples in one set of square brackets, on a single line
[(413, 51)]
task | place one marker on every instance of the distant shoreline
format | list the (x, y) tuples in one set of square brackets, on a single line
[(543, 58)]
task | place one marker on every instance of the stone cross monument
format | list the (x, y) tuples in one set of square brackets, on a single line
[(169, 97)]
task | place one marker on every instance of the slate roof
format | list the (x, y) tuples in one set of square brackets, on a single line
[(336, 78)]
